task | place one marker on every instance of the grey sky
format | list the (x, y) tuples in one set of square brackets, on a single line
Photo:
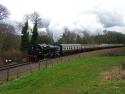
[(91, 15)]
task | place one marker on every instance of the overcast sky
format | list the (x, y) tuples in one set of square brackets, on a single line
[(78, 15)]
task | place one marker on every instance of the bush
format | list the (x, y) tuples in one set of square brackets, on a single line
[(14, 55)]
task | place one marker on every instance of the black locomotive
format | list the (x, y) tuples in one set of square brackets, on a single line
[(41, 51)]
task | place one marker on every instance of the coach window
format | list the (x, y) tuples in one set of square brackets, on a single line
[(71, 47), (78, 47), (63, 48), (66, 48), (75, 47)]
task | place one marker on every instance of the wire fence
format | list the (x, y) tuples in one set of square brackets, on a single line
[(17, 72)]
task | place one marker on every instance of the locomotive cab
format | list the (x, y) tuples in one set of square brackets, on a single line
[(36, 52)]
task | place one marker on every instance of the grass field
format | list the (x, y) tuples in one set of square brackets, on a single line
[(80, 76)]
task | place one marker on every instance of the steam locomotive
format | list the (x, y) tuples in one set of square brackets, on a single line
[(41, 51)]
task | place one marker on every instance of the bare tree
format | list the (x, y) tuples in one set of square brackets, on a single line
[(9, 42), (3, 12), (35, 18)]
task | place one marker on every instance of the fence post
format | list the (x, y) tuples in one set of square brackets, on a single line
[(51, 64), (30, 68), (46, 63), (17, 73), (39, 65), (61, 58), (8, 74), (57, 60)]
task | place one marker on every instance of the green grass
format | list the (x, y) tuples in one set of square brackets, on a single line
[(81, 76)]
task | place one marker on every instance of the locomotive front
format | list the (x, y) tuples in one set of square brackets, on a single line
[(36, 52), (41, 51)]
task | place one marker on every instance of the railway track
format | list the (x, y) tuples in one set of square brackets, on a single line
[(4, 67)]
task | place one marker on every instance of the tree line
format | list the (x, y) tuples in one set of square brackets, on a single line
[(107, 37)]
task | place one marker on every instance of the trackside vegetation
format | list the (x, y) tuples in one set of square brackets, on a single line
[(80, 76)]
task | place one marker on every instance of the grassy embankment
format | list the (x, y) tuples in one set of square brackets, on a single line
[(80, 76)]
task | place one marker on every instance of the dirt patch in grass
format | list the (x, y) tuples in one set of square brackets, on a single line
[(115, 74)]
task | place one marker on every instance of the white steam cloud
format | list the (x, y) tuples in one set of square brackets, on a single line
[(77, 15)]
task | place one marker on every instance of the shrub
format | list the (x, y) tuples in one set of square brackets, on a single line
[(15, 55)]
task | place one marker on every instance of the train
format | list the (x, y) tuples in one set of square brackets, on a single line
[(41, 51)]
